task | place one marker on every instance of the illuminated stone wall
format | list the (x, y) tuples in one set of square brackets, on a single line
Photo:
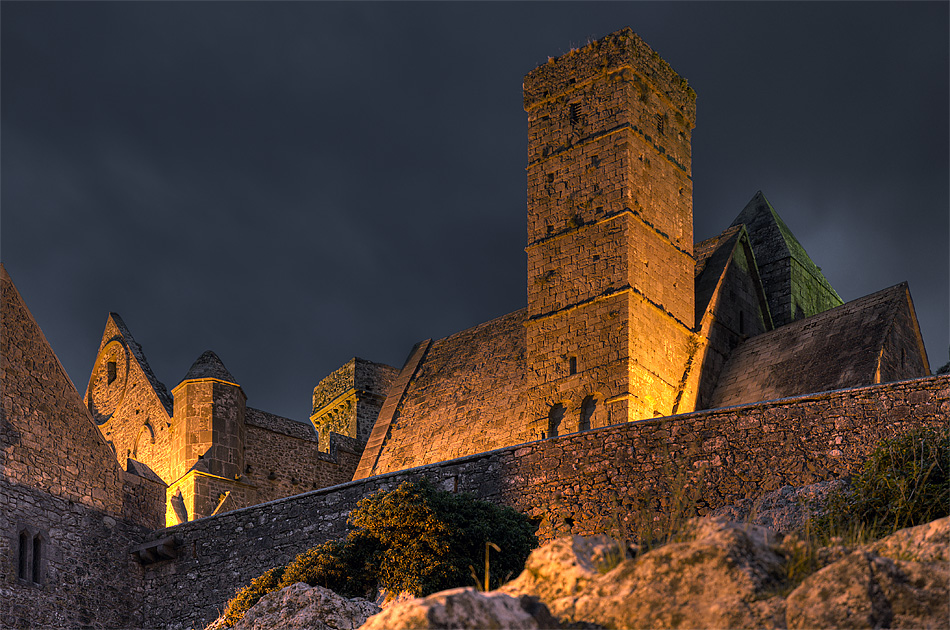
[(348, 400), (134, 409), (281, 466), (466, 397), (610, 231), (579, 483)]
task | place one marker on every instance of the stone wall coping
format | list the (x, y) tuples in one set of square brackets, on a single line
[(208, 380), (945, 378)]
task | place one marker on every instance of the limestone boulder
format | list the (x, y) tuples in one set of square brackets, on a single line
[(300, 607), (717, 575), (565, 567), (785, 509), (901, 581), (464, 608)]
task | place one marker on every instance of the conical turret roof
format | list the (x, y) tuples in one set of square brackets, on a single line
[(208, 365)]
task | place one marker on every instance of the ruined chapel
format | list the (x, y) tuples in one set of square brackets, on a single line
[(627, 320)]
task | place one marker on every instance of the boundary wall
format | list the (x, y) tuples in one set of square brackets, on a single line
[(579, 483)]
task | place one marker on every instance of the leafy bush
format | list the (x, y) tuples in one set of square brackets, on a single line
[(430, 538), (415, 538), (250, 594), (348, 567), (905, 482)]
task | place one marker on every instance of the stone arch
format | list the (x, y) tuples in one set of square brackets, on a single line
[(144, 441), (593, 415), (556, 418)]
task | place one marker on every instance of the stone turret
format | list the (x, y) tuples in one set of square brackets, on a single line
[(208, 440), (610, 235)]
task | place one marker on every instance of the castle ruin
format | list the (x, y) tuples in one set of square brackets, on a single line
[(637, 347)]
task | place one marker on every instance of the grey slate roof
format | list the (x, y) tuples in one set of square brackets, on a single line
[(835, 349), (208, 365)]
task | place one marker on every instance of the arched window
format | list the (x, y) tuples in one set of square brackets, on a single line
[(588, 407), (31, 552), (554, 419)]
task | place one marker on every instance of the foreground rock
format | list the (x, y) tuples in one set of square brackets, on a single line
[(901, 581), (720, 575), (725, 575), (464, 608), (302, 607), (716, 575)]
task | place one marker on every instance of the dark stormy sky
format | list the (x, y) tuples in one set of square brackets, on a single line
[(295, 184)]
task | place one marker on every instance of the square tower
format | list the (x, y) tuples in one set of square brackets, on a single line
[(610, 235)]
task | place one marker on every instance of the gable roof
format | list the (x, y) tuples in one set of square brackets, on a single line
[(455, 396), (712, 260), (835, 349), (772, 240)]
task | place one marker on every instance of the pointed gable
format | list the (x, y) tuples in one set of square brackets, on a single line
[(132, 408), (794, 284), (730, 307), (714, 257), (869, 340)]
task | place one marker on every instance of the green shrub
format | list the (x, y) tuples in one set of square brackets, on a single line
[(415, 538), (430, 538), (348, 567), (905, 482), (250, 594)]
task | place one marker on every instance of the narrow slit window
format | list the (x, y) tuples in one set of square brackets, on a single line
[(23, 567), (572, 365), (575, 113), (741, 322), (111, 371), (37, 557)]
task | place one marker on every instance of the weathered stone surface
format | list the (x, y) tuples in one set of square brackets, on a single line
[(565, 566), (868, 589), (725, 575), (302, 607), (464, 608), (720, 576), (783, 510)]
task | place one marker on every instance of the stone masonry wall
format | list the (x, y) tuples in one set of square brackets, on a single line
[(88, 578), (279, 465), (467, 397), (579, 483), (610, 230), (64, 560)]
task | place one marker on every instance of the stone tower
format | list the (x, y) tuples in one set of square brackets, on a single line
[(610, 235), (207, 442)]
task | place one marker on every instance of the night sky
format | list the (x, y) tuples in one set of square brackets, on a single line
[(294, 184)]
